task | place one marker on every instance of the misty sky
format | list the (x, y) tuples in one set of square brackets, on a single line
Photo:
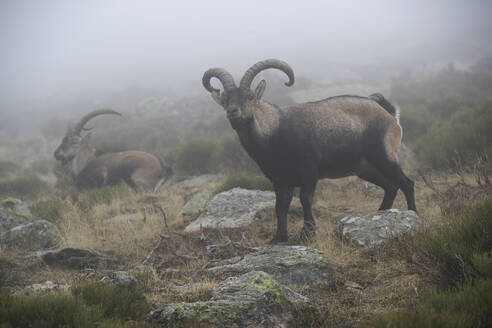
[(71, 47)]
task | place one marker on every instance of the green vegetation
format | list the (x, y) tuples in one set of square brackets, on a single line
[(463, 249), (202, 156), (250, 181), (432, 98), (91, 305), (24, 187), (460, 243), (458, 140)]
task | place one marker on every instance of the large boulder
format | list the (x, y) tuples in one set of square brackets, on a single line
[(75, 258), (297, 265), (13, 212), (254, 299), (374, 228), (40, 234), (232, 209)]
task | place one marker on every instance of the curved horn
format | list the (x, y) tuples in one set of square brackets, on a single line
[(265, 64), (224, 77), (80, 125)]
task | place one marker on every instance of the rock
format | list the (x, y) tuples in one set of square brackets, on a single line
[(374, 228), (123, 279), (16, 206), (13, 212), (232, 209), (75, 258), (254, 299), (195, 205), (46, 286), (297, 265), (40, 234)]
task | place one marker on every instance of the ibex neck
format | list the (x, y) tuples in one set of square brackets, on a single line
[(83, 157), (257, 136)]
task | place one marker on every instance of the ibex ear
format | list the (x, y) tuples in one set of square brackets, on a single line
[(260, 88), (217, 97)]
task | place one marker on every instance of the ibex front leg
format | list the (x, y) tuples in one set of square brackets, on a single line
[(282, 203)]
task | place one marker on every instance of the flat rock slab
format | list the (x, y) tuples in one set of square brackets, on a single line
[(75, 258), (375, 228), (297, 265), (254, 299), (232, 209), (40, 234)]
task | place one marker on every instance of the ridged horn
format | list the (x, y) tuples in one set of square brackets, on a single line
[(83, 121), (265, 64), (224, 77)]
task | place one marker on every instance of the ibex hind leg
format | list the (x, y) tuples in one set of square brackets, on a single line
[(392, 171), (372, 175)]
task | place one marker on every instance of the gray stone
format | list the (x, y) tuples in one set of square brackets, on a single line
[(13, 212), (46, 286), (123, 279), (254, 299), (297, 265), (75, 258), (37, 235), (195, 205), (232, 209), (374, 228), (16, 206)]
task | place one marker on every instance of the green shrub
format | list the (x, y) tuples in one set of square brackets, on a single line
[(23, 187), (466, 307), (113, 301), (50, 310), (197, 156), (93, 304), (459, 139), (461, 243), (250, 181)]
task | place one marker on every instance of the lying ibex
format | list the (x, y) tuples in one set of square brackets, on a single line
[(295, 146), (140, 170)]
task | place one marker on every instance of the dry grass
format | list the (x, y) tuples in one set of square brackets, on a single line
[(369, 280)]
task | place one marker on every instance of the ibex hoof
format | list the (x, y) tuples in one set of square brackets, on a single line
[(278, 239)]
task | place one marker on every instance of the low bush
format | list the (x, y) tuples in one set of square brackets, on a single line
[(94, 304), (458, 244), (113, 301), (460, 308), (250, 181), (197, 156), (23, 187), (49, 209), (456, 142)]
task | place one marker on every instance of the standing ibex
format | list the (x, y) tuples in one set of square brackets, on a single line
[(138, 169), (295, 146)]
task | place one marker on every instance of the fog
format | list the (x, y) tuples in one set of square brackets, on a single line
[(55, 53)]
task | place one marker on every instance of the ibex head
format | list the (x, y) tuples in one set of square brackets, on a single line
[(72, 141), (239, 102)]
